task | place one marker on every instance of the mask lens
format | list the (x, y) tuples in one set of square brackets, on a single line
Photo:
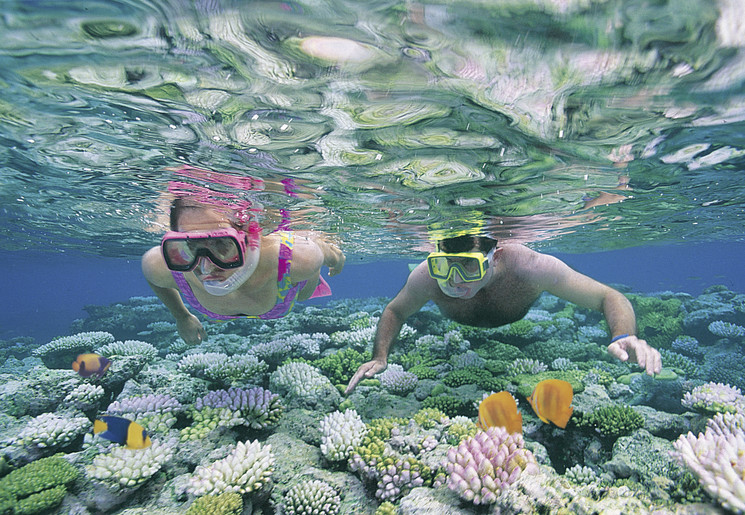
[(179, 255), (182, 254)]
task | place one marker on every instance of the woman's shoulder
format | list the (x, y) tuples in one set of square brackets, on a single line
[(155, 270)]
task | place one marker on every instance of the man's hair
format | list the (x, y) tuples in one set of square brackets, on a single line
[(466, 243)]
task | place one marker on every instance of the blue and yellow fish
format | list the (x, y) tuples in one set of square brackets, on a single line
[(122, 431), (89, 364)]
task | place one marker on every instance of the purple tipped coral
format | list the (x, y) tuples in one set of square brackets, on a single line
[(481, 466)]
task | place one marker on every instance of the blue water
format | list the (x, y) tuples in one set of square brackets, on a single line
[(44, 293)]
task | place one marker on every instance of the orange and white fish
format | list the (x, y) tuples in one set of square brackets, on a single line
[(551, 400), (500, 410)]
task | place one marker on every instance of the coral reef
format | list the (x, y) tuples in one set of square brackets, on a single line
[(121, 467), (481, 466), (340, 434), (246, 469), (311, 497), (37, 487)]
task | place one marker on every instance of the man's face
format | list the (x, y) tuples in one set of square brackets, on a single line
[(456, 287)]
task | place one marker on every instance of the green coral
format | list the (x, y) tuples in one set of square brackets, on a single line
[(386, 508), (526, 383), (500, 351), (467, 375), (549, 350), (382, 427), (460, 430), (36, 487), (429, 417), (227, 503), (658, 321), (451, 406), (423, 371), (612, 421), (340, 366), (681, 364)]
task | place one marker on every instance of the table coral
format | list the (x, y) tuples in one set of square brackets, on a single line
[(128, 348), (246, 469), (481, 466), (61, 352)]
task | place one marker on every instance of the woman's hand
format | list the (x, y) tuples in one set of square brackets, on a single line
[(190, 330)]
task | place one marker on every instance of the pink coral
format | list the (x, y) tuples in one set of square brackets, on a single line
[(481, 466)]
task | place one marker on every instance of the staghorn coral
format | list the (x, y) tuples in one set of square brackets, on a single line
[(340, 366), (37, 487), (341, 433), (223, 369), (311, 497), (714, 398), (717, 458), (121, 467), (248, 468), (301, 381), (580, 474), (687, 345), (481, 466)]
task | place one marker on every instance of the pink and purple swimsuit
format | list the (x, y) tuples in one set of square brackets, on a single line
[(286, 291)]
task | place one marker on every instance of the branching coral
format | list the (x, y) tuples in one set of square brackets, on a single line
[(129, 468), (84, 397), (156, 412), (256, 407), (311, 497), (246, 469), (228, 503), (37, 487), (613, 421), (223, 369), (481, 466), (715, 398), (726, 329), (51, 431), (398, 381), (717, 457), (340, 434)]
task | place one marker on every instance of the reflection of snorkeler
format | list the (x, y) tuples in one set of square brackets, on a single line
[(605, 198), (223, 266)]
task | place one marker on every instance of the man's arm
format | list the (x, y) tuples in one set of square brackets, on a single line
[(159, 278), (555, 277), (409, 300)]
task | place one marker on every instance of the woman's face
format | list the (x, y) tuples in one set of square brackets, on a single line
[(202, 220)]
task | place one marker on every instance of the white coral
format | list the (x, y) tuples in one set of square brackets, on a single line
[(341, 433), (52, 430), (128, 468), (248, 468), (717, 457), (298, 379), (85, 396)]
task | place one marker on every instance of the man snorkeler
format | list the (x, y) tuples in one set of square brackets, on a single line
[(218, 259), (475, 282)]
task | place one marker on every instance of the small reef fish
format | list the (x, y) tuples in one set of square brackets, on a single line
[(91, 364), (500, 410), (551, 400), (122, 431)]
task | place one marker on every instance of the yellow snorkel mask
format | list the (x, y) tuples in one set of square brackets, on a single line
[(470, 266)]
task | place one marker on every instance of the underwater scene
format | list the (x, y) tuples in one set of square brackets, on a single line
[(372, 257)]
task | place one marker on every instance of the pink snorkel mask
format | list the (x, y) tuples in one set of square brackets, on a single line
[(226, 248)]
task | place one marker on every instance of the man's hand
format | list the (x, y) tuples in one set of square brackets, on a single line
[(190, 330), (366, 370), (638, 350)]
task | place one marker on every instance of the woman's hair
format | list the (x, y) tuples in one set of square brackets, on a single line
[(466, 243), (178, 206)]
